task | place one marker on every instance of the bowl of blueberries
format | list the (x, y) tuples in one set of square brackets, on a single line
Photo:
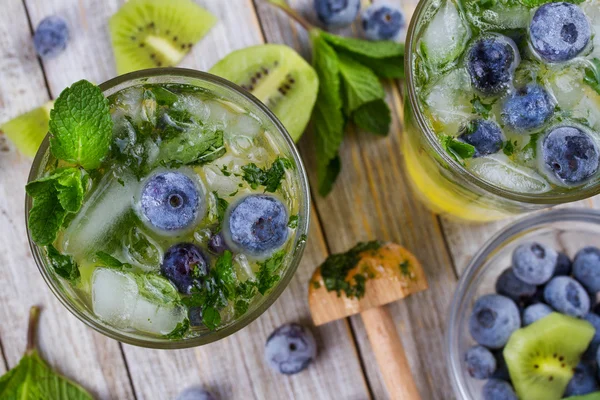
[(524, 322)]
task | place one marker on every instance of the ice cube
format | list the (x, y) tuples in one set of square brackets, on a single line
[(224, 175), (142, 251), (198, 108), (220, 115), (244, 125), (567, 86), (243, 268), (114, 296), (501, 171), (446, 35), (449, 100), (130, 102), (588, 109)]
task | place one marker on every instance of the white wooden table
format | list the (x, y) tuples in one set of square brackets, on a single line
[(371, 200)]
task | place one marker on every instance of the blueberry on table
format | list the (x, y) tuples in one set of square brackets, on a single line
[(290, 349), (170, 201), (534, 263), (184, 264), (337, 13), (559, 31), (493, 320), (195, 393), (491, 62), (257, 224), (480, 362), (563, 265), (527, 108), (535, 312), (495, 389), (383, 22), (570, 155), (485, 135), (567, 296), (51, 37), (586, 268), (583, 381), (512, 287)]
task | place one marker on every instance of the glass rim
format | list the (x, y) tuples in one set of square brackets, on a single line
[(434, 143), (267, 301), (478, 261)]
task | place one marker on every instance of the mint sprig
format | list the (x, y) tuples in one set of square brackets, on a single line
[(592, 75), (81, 126), (349, 90)]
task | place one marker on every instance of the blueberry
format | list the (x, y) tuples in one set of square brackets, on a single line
[(563, 265), (534, 263), (527, 108), (491, 61), (184, 264), (216, 244), (480, 362), (567, 296), (593, 319), (290, 349), (258, 224), (493, 320), (195, 316), (583, 381), (486, 136), (510, 286), (586, 268), (195, 393), (170, 201), (51, 36), (570, 155), (383, 22), (496, 389), (337, 13), (559, 31), (535, 312)]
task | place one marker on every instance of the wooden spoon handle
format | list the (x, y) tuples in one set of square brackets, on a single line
[(389, 354)]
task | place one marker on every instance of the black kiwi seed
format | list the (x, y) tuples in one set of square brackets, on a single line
[(175, 38), (281, 91), (287, 87), (152, 56), (265, 71), (183, 46), (167, 32), (190, 45), (151, 25), (142, 44), (159, 64), (258, 75)]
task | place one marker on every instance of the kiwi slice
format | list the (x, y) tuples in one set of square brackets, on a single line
[(541, 357), (27, 131), (591, 396), (156, 33), (277, 76)]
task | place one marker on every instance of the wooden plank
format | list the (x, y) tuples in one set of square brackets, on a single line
[(372, 199), (61, 335)]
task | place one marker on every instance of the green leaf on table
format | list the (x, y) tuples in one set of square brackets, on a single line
[(459, 150), (269, 178), (32, 377), (81, 125), (111, 262), (592, 75), (360, 84), (63, 265), (374, 117)]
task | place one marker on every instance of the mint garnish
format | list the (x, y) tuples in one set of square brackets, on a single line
[(459, 150), (269, 178), (111, 262), (81, 126), (63, 265), (592, 75)]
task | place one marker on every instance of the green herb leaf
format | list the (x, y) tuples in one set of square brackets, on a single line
[(193, 144), (269, 178), (32, 378), (336, 267), (293, 222), (81, 125), (268, 273), (211, 318), (481, 108), (381, 49), (532, 145), (111, 262), (457, 149), (374, 117), (222, 206), (224, 270), (63, 265), (509, 148), (592, 75), (179, 331), (360, 84)]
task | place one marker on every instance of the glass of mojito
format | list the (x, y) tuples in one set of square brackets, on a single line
[(503, 108), (191, 224)]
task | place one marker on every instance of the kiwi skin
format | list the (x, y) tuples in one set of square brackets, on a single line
[(591, 396), (541, 357)]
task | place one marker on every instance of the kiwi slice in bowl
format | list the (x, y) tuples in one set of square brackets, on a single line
[(27, 131), (277, 76), (541, 357), (156, 33)]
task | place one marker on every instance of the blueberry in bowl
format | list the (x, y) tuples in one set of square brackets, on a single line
[(527, 108), (183, 265), (491, 61), (485, 135)]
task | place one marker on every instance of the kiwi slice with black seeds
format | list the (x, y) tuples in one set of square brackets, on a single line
[(27, 131), (277, 76), (156, 33), (541, 357)]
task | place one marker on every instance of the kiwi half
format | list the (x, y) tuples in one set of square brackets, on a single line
[(541, 357), (27, 131), (277, 76), (156, 33)]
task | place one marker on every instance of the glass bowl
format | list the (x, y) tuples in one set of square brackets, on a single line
[(567, 230), (236, 95)]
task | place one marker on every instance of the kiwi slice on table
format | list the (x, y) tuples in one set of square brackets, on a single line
[(27, 131), (277, 76), (156, 33), (541, 357)]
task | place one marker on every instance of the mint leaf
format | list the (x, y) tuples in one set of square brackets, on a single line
[(268, 275), (328, 175), (360, 84), (592, 75), (457, 149), (32, 378), (377, 50), (293, 222), (481, 108), (509, 148), (224, 270), (111, 262), (194, 145), (385, 67), (63, 265), (269, 178), (180, 330), (532, 144), (81, 125), (211, 318), (374, 117), (156, 288), (222, 206)]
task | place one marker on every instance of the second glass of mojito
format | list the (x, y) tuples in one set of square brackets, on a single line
[(503, 108)]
